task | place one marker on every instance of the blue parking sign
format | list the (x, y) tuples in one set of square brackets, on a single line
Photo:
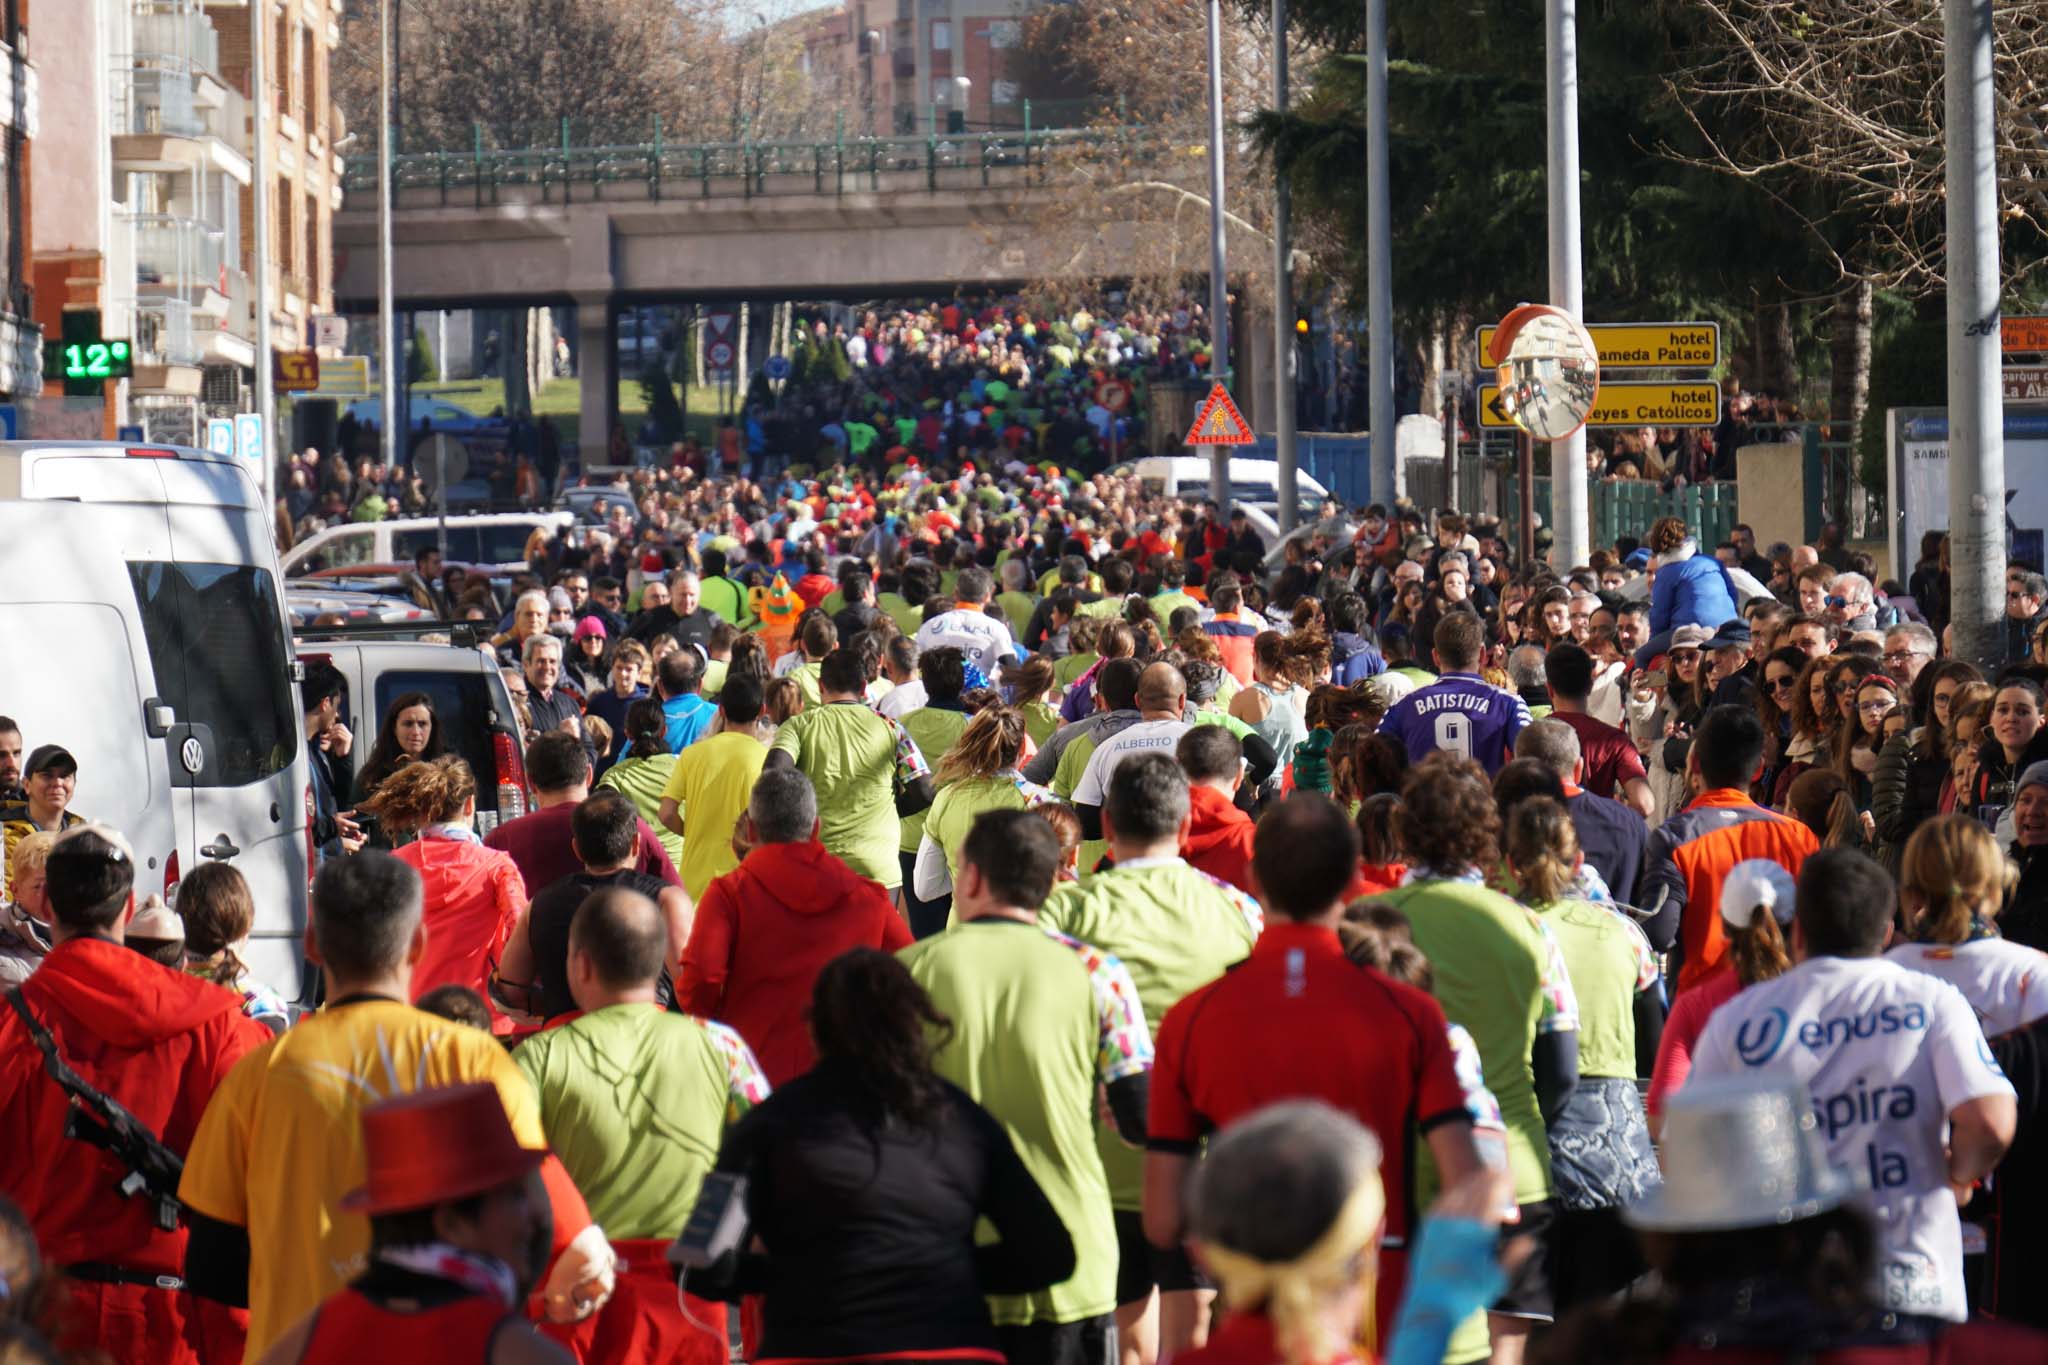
[(249, 436), (220, 435)]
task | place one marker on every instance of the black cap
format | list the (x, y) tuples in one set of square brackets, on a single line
[(1733, 634), (49, 756)]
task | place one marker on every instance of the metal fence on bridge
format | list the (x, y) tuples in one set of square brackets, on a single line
[(843, 165)]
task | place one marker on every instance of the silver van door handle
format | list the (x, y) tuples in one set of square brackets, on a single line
[(221, 847)]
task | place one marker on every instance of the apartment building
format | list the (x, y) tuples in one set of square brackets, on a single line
[(905, 64), (143, 200), (21, 341)]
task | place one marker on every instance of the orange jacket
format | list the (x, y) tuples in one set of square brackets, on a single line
[(1689, 856)]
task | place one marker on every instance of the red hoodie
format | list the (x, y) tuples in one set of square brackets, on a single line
[(762, 934), (157, 1041), (473, 898), (1219, 838)]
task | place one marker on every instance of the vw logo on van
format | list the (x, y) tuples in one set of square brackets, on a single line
[(1758, 1039), (192, 754)]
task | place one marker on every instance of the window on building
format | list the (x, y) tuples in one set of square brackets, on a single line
[(942, 35), (317, 257), (311, 89)]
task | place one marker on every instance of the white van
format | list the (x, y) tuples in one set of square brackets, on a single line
[(1253, 482), (143, 628), (494, 540)]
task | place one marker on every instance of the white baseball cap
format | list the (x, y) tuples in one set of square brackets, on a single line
[(1752, 884)]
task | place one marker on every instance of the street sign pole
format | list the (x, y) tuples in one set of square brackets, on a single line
[(1283, 298), (1219, 285), (1386, 483), (1561, 87), (1976, 423), (1525, 476)]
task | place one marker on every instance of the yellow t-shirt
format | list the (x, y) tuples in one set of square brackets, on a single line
[(282, 1141), (712, 781)]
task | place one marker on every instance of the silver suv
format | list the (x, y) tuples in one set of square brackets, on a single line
[(471, 704)]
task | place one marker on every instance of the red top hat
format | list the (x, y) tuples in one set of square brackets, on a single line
[(435, 1146)]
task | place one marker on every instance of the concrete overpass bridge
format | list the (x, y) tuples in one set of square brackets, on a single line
[(606, 227)]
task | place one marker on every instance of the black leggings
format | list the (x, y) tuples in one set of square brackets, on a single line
[(926, 917)]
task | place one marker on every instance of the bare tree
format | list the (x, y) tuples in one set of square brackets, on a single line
[(517, 69), (1835, 107), (1135, 203)]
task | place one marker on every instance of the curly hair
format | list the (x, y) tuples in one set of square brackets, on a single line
[(1448, 819), (423, 793), (1667, 534)]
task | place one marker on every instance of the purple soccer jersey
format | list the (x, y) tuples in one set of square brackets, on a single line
[(1462, 714)]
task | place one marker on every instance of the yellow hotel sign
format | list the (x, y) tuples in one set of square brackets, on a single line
[(1692, 403), (1641, 345)]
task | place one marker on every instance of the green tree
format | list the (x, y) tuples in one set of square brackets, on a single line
[(664, 412), (419, 360)]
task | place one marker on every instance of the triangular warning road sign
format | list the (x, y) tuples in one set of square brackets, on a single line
[(1219, 423)]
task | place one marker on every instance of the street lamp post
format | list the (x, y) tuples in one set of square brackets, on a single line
[(259, 201), (1283, 297), (1219, 285), (1379, 250), (1567, 289), (395, 418), (1976, 419)]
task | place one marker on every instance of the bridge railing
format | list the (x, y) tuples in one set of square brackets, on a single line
[(845, 165)]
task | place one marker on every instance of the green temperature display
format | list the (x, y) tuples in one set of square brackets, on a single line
[(88, 361)]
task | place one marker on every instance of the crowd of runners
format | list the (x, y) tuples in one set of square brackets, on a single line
[(973, 911)]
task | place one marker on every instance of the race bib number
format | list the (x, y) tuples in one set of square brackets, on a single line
[(1454, 733)]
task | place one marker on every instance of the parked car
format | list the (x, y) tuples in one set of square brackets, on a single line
[(471, 703), (496, 540), (308, 599), (146, 633), (593, 506), (438, 413)]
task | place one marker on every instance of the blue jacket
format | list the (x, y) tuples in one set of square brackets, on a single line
[(1691, 592), (1353, 660)]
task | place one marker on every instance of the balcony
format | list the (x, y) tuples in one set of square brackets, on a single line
[(21, 356), (165, 119), (164, 334), (177, 33), (178, 256)]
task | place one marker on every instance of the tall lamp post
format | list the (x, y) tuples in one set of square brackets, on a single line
[(259, 200), (1283, 297), (1219, 284), (1379, 283), (396, 419), (1976, 418), (1567, 289)]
